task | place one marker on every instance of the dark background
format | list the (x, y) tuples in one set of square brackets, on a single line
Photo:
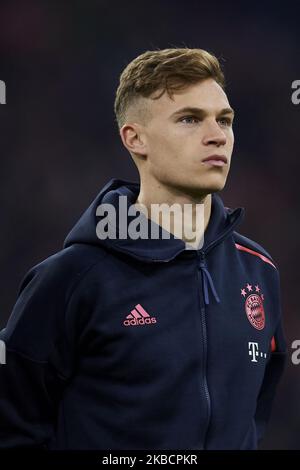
[(59, 143)]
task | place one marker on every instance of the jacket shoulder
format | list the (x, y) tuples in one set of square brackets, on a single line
[(43, 306), (66, 266), (245, 244)]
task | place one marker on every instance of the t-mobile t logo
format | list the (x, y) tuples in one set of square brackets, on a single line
[(254, 351)]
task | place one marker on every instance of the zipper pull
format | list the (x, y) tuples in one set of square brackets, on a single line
[(202, 260), (207, 279)]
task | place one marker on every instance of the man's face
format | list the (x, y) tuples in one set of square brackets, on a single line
[(178, 141)]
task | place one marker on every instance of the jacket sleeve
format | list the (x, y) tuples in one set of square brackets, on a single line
[(273, 373), (38, 361)]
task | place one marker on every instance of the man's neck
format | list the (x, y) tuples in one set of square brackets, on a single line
[(196, 204)]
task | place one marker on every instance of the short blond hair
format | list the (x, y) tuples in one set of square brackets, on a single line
[(166, 70)]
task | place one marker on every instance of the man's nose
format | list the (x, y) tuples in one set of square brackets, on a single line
[(213, 134)]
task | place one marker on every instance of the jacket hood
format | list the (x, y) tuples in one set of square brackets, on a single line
[(221, 224)]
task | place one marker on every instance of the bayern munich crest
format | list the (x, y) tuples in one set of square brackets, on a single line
[(254, 306)]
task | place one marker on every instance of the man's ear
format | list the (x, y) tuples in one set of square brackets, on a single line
[(134, 139)]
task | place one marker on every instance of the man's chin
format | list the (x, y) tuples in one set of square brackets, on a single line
[(198, 187), (207, 187)]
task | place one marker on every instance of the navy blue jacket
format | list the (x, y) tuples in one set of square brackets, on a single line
[(142, 344)]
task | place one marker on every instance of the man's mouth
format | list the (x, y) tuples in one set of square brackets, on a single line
[(215, 160)]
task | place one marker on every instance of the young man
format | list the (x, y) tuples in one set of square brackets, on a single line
[(120, 342)]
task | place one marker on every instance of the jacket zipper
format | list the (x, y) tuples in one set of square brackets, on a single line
[(201, 258)]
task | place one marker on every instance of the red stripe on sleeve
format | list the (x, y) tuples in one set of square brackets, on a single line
[(273, 344), (255, 253)]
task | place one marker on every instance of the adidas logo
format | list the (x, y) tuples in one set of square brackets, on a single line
[(138, 316)]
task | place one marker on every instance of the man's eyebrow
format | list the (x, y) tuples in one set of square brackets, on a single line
[(200, 111)]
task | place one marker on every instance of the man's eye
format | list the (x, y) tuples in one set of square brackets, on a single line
[(224, 121), (189, 119)]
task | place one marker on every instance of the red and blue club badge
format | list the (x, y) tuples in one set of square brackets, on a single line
[(254, 306)]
